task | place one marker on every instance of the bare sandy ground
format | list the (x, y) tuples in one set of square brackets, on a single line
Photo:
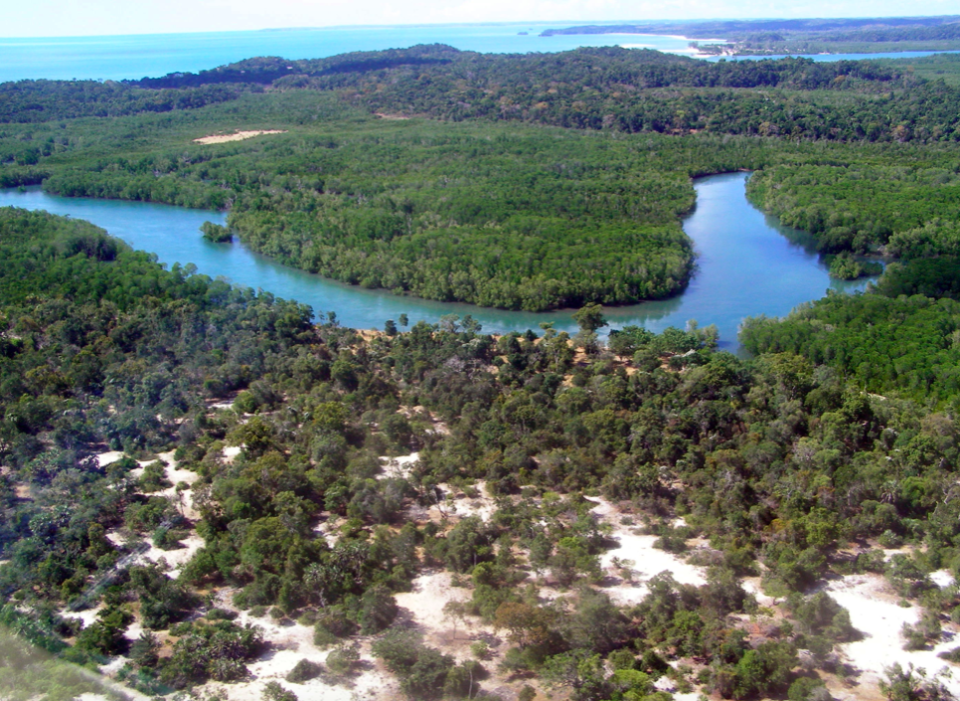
[(400, 466), (875, 612), (647, 561), (424, 606), (463, 506), (88, 616), (184, 499), (104, 459), (292, 642), (236, 136)]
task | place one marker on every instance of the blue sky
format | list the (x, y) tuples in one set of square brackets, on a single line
[(47, 18)]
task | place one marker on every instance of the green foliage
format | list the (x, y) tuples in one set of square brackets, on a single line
[(304, 671), (930, 277), (105, 635), (883, 344), (860, 206), (274, 691), (215, 233), (343, 660), (215, 651), (912, 684), (845, 267), (28, 672)]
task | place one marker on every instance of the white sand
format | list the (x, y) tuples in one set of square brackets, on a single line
[(875, 613), (175, 475), (175, 559), (463, 506), (647, 560), (399, 466), (88, 616), (290, 644), (230, 452), (236, 136), (110, 456), (942, 578), (425, 603)]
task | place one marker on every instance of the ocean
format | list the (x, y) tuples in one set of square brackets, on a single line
[(138, 56), (154, 55)]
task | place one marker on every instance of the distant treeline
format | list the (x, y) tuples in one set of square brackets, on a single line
[(603, 88), (732, 28)]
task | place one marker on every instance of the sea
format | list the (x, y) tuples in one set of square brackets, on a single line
[(153, 55)]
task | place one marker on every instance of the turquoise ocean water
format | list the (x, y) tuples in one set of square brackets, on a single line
[(119, 57), (137, 56)]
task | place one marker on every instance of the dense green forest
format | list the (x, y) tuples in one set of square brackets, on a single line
[(603, 88)]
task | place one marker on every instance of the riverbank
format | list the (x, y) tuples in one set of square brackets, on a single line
[(747, 265)]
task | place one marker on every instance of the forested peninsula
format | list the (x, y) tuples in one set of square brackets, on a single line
[(209, 491), (797, 36)]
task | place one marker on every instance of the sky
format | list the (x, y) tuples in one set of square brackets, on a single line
[(53, 18)]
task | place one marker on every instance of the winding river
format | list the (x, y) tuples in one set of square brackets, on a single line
[(747, 264)]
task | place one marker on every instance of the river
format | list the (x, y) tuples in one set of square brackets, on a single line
[(747, 264)]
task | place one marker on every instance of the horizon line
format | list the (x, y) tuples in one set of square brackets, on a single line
[(566, 23)]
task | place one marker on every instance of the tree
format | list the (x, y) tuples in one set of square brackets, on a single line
[(456, 611), (527, 625), (378, 608), (590, 318)]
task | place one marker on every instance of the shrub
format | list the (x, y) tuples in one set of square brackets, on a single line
[(527, 693), (803, 688), (304, 671), (273, 691), (343, 659), (377, 610)]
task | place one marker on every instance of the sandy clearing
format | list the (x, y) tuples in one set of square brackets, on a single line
[(88, 616), (464, 506), (398, 467), (874, 611), (291, 643), (110, 456), (751, 585), (647, 560), (942, 578), (117, 538), (175, 475), (134, 630), (175, 559), (236, 136), (230, 452), (425, 603)]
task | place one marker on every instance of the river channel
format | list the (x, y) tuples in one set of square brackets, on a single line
[(747, 265)]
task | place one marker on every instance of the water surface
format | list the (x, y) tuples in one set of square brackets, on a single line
[(746, 265), (134, 57)]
